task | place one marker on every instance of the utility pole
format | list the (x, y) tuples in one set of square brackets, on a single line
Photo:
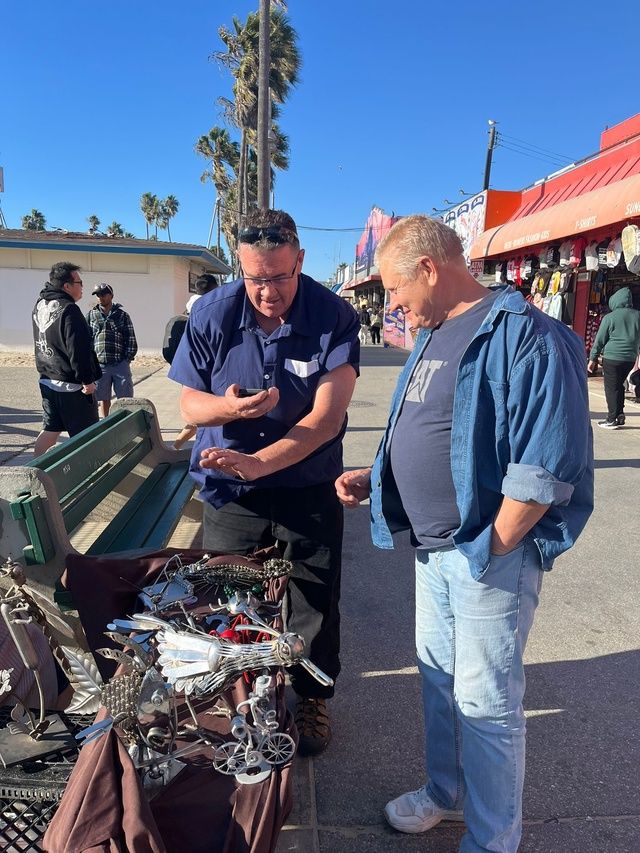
[(264, 164), (3, 221), (491, 145)]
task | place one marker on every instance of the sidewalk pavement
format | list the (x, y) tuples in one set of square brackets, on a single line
[(583, 667)]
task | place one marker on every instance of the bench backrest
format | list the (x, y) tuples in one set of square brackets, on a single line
[(84, 470)]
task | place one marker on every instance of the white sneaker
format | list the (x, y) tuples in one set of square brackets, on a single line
[(415, 811)]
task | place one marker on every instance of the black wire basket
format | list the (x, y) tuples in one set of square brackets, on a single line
[(30, 792)]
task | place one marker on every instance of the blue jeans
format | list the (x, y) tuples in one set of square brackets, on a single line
[(470, 640)]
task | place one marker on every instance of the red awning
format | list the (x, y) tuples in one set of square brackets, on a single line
[(615, 203)]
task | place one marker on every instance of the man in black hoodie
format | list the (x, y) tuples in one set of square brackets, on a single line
[(65, 358)]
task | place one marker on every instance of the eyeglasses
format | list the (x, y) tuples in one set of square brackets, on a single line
[(275, 281), (273, 233)]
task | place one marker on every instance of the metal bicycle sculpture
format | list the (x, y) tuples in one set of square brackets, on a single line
[(192, 656)]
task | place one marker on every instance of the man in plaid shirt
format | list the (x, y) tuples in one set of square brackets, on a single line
[(114, 341)]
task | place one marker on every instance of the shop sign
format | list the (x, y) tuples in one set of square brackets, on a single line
[(394, 328), (527, 240), (632, 209), (467, 220), (476, 268), (378, 224), (586, 222)]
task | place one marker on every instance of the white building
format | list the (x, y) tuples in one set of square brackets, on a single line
[(151, 279)]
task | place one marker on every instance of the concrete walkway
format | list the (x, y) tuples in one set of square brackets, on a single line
[(583, 667)]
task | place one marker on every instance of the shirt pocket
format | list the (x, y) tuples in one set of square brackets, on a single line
[(303, 369)]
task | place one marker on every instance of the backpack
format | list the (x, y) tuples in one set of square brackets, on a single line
[(172, 336)]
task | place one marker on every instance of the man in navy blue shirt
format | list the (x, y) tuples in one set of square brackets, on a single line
[(268, 364)]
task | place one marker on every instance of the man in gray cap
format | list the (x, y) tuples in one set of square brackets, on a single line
[(114, 341)]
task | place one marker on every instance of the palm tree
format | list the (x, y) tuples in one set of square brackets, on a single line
[(115, 230), (169, 207), (241, 58), (34, 221), (149, 208), (94, 223), (220, 254)]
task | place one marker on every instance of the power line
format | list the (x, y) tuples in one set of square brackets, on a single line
[(360, 228), (542, 157), (524, 144)]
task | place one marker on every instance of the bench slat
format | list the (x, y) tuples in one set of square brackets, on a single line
[(79, 503), (167, 522), (91, 449), (148, 522), (53, 456), (104, 542)]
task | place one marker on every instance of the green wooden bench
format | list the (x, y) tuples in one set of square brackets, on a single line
[(123, 460)]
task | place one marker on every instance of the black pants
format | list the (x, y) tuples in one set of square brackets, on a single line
[(375, 334), (307, 524), (614, 373)]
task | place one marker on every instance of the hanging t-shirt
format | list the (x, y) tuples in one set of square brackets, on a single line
[(602, 252), (577, 248), (554, 284), (565, 253), (591, 256), (421, 442), (553, 256), (542, 258), (614, 252)]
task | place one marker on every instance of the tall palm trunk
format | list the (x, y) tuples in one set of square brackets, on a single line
[(242, 169), (263, 104)]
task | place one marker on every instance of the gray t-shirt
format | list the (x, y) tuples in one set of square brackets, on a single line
[(421, 443)]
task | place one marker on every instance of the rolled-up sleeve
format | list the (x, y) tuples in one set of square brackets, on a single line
[(345, 344), (532, 483), (549, 426)]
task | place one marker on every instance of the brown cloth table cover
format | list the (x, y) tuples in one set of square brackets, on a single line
[(104, 808)]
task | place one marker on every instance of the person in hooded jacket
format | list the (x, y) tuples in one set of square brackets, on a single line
[(65, 358), (618, 340)]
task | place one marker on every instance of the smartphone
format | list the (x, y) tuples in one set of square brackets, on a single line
[(249, 392)]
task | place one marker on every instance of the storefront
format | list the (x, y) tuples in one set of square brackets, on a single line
[(563, 247)]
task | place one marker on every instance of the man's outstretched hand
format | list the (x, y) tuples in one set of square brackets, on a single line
[(244, 466), (353, 487)]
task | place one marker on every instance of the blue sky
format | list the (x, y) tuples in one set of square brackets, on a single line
[(102, 102)]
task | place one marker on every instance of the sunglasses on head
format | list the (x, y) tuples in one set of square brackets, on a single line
[(272, 233)]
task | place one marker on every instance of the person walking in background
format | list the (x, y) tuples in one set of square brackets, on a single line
[(376, 325), (65, 358), (488, 461), (114, 341), (365, 323), (618, 340), (268, 364)]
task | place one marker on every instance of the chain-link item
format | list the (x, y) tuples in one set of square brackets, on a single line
[(120, 697), (236, 573)]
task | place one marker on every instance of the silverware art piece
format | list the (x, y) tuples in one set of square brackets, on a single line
[(189, 655)]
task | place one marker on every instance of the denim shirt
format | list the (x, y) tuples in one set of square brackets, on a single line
[(520, 429)]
